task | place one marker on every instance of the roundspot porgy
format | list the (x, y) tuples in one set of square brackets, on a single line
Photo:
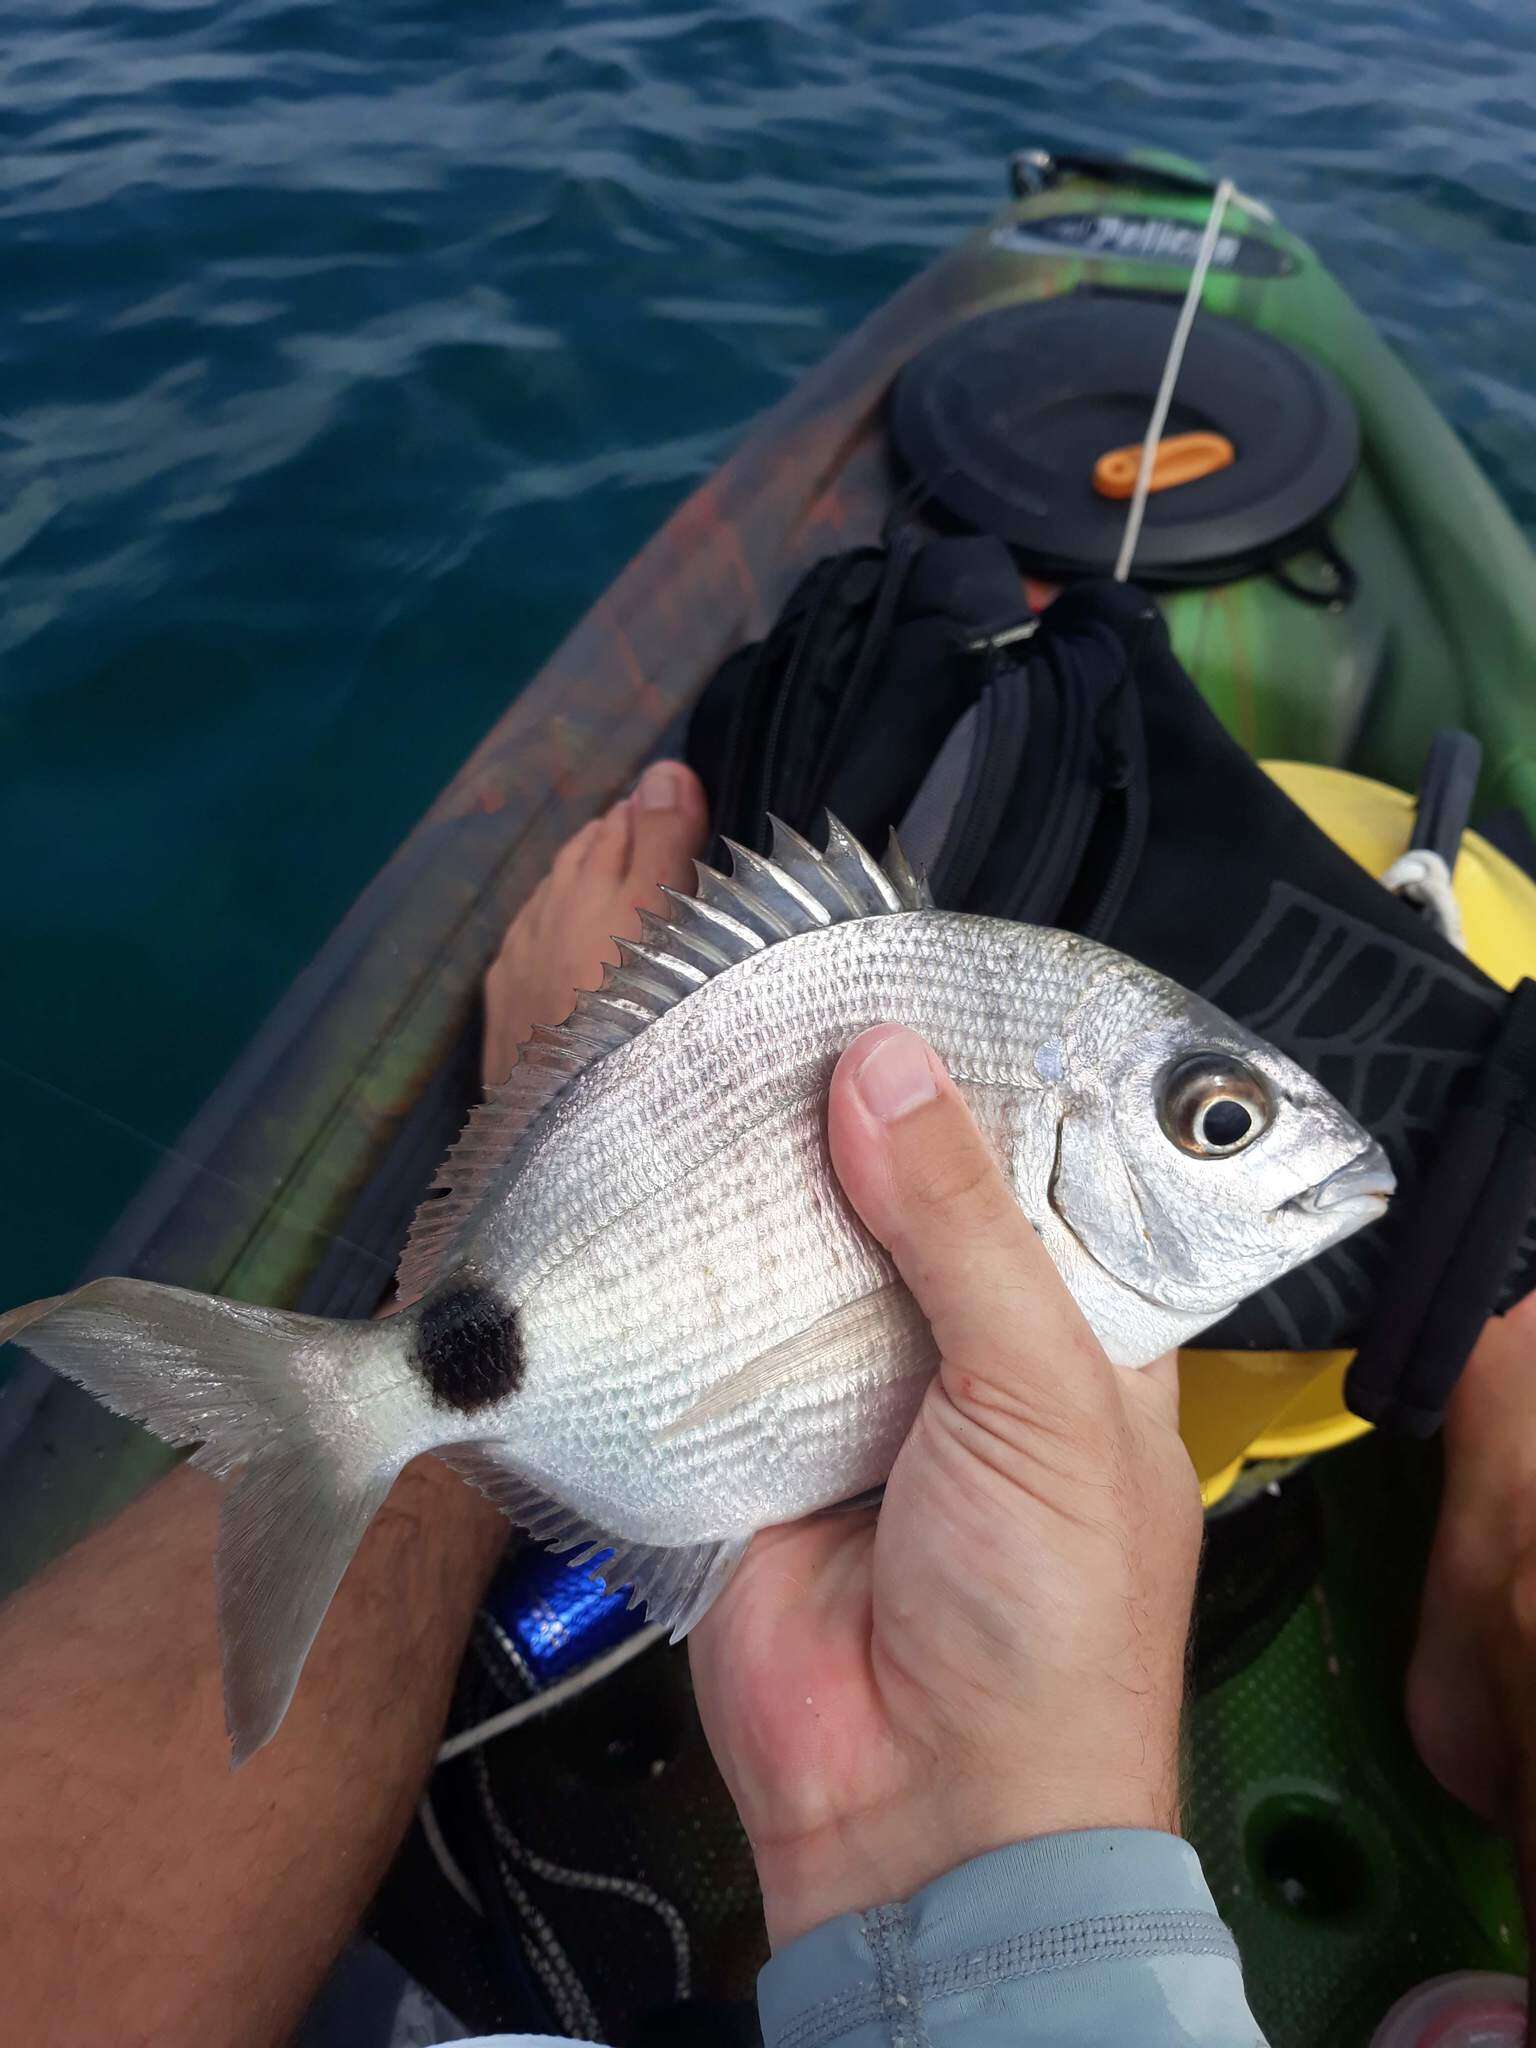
[(641, 1314)]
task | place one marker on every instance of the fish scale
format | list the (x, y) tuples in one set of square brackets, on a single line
[(640, 1313), (726, 1060)]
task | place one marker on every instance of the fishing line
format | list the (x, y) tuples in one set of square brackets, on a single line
[(555, 1696), (271, 1208), (1171, 368)]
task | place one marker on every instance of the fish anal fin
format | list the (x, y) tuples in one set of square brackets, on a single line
[(677, 1583), (883, 1333)]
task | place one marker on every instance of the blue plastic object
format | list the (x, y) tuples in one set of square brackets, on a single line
[(556, 1616)]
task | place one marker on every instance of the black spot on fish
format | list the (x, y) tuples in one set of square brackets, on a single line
[(469, 1348)]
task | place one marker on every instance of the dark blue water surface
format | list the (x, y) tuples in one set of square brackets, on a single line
[(350, 348)]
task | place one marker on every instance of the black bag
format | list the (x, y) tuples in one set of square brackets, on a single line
[(1066, 770), (857, 697)]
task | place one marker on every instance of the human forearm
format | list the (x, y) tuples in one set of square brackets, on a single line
[(146, 1892)]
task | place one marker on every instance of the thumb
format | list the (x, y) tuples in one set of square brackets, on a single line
[(1016, 1352)]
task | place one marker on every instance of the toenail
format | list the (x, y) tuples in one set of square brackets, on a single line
[(661, 787)]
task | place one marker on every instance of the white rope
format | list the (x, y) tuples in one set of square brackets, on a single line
[(545, 1952), (1423, 879), (600, 1881), (446, 1861), (1171, 368), (555, 1696)]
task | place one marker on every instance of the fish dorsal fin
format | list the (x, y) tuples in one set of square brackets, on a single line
[(764, 899), (496, 1127)]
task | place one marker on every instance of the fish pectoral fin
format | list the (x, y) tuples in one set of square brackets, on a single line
[(857, 1503), (884, 1334), (677, 1583)]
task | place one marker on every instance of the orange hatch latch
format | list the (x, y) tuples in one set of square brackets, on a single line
[(1180, 459)]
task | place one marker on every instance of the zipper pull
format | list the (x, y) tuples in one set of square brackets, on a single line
[(1001, 637), (1115, 762)]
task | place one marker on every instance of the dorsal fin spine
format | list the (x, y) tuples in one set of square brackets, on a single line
[(678, 974), (640, 979), (620, 997), (797, 907), (845, 853), (909, 885), (613, 1013), (797, 857), (685, 943), (738, 937), (725, 893)]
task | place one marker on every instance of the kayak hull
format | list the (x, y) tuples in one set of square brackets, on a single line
[(295, 1183)]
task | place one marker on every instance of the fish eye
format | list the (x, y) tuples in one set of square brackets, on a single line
[(1214, 1104)]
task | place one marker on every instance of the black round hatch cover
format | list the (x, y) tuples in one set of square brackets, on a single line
[(1002, 420)]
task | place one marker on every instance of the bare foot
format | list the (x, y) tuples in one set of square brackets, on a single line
[(560, 940)]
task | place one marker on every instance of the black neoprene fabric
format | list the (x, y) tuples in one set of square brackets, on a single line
[(1107, 797)]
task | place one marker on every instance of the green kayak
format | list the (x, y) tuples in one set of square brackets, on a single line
[(1345, 1874)]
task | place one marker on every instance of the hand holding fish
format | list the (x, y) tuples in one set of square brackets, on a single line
[(1002, 1654), (641, 1314), (638, 1312)]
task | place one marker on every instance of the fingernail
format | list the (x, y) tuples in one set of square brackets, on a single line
[(896, 1077), (661, 787)]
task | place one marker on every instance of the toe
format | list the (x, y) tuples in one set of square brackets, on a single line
[(596, 849), (669, 826), (560, 940)]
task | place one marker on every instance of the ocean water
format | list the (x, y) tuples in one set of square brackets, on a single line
[(350, 348)]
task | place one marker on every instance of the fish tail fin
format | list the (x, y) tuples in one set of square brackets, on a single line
[(272, 1399)]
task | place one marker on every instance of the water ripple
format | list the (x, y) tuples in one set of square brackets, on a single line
[(352, 347)]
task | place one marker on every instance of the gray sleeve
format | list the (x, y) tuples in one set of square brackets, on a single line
[(1107, 1935)]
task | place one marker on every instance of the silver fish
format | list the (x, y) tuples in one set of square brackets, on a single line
[(642, 1316)]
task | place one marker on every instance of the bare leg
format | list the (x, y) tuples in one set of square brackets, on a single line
[(147, 1894), (1472, 1683)]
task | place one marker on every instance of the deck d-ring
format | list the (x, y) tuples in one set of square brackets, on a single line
[(1346, 583)]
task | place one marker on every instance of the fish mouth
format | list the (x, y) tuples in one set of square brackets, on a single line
[(1354, 1193)]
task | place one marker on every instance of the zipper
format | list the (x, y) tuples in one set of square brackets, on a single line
[(1132, 838), (1128, 780), (784, 698), (742, 743), (1039, 893), (989, 777), (900, 552)]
